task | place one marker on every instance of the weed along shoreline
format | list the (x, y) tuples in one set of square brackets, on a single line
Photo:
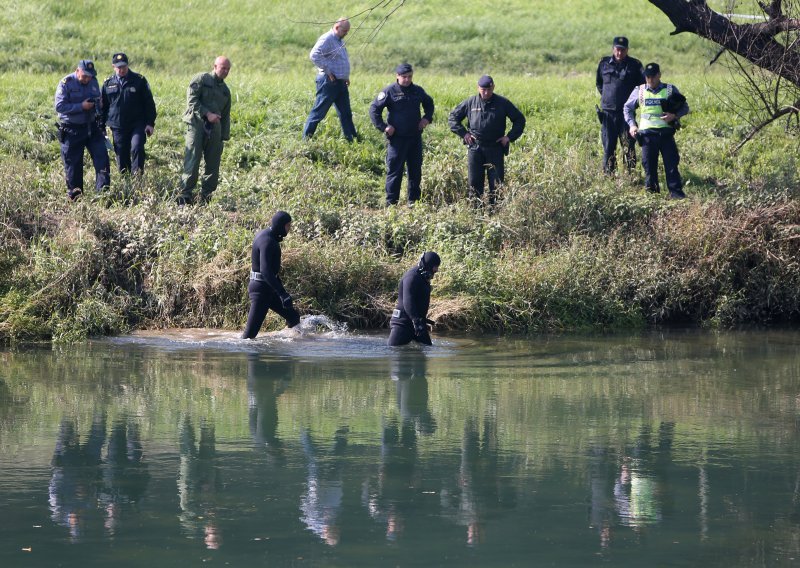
[(565, 248)]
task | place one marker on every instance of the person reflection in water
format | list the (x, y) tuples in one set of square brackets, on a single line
[(410, 318), (125, 473), (322, 500), (479, 488), (76, 475), (198, 483), (266, 381), (389, 497)]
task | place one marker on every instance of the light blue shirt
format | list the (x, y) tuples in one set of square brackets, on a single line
[(70, 94), (329, 54)]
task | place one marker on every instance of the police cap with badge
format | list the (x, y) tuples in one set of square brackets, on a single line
[(87, 66), (119, 60)]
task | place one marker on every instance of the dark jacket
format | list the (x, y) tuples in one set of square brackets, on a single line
[(128, 102), (266, 259), (486, 120), (616, 79), (413, 298), (403, 104)]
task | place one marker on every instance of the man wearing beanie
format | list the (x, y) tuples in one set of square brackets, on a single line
[(403, 130), (266, 289), (410, 318)]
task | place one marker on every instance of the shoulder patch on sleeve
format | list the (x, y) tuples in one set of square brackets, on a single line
[(381, 96)]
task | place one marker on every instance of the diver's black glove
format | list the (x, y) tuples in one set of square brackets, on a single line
[(286, 301), (420, 327)]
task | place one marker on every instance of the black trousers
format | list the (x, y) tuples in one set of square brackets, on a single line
[(403, 152), (614, 129), (76, 139), (483, 162), (129, 148), (262, 299), (403, 335), (661, 141)]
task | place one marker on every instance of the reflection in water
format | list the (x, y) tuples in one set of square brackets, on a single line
[(389, 498), (76, 475), (199, 482), (125, 474), (266, 381), (322, 500)]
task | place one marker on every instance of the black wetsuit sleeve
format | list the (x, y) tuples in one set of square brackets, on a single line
[(269, 262)]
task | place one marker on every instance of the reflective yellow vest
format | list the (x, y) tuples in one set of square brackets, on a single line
[(650, 106)]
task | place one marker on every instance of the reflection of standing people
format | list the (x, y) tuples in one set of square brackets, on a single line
[(329, 54), (125, 474), (130, 112), (208, 126), (410, 318), (661, 106), (77, 103), (198, 483), (403, 129), (266, 288), (617, 76), (76, 474), (485, 135), (266, 381), (322, 500)]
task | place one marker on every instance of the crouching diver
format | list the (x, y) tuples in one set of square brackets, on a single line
[(266, 289), (409, 319)]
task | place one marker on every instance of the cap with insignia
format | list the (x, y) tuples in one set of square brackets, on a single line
[(485, 81), (119, 60), (87, 66), (403, 68), (651, 70), (621, 42)]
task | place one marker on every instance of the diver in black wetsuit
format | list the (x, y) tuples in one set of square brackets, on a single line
[(266, 289), (409, 320)]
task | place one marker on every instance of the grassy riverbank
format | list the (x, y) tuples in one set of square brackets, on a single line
[(566, 248)]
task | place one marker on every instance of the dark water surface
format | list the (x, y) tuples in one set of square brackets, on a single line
[(194, 448)]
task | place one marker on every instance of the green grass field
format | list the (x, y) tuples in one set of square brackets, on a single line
[(567, 248)]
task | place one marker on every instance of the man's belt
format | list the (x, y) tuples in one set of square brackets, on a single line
[(396, 314), (257, 276)]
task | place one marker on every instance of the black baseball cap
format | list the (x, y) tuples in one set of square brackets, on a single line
[(651, 70), (119, 60), (485, 81), (621, 41), (403, 68)]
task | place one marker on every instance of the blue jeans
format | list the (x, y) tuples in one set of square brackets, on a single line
[(331, 93)]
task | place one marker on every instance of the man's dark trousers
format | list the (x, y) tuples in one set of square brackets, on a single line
[(613, 129), (655, 142), (76, 139), (483, 159), (403, 151), (129, 148)]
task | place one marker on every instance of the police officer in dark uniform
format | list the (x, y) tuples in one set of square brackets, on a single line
[(77, 103), (266, 289), (403, 129), (130, 112), (617, 76), (485, 134), (410, 318)]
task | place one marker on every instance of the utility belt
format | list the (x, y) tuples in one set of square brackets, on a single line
[(396, 314), (257, 276)]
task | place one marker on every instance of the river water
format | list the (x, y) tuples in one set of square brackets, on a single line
[(327, 448)]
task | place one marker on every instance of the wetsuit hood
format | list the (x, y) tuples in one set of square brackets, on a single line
[(428, 261), (278, 224)]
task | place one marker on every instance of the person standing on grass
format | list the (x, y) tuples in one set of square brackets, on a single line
[(410, 318), (485, 135), (130, 111), (329, 54), (403, 129), (661, 106), (266, 290), (617, 76), (208, 126), (77, 103)]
